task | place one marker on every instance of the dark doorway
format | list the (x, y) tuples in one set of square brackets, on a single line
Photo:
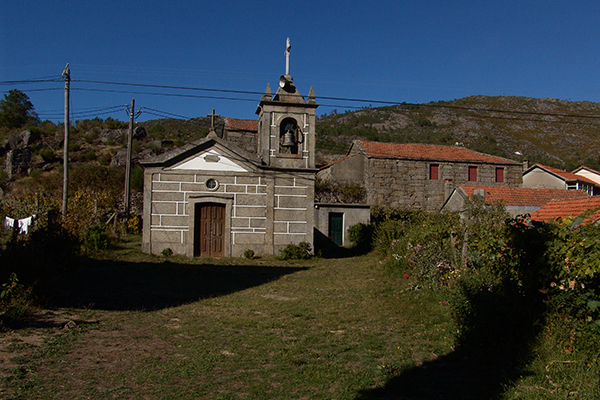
[(336, 228), (209, 225)]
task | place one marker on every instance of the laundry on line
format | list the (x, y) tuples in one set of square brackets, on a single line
[(22, 224)]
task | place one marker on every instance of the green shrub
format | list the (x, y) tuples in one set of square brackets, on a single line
[(249, 254), (96, 238), (48, 155), (16, 302), (90, 155), (361, 235), (300, 251), (167, 252), (35, 174), (386, 233), (137, 178)]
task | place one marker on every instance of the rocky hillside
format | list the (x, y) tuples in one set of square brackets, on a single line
[(555, 132)]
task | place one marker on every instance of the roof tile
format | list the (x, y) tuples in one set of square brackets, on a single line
[(568, 208), (523, 197), (429, 152), (234, 124)]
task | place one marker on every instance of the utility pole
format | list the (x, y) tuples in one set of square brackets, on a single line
[(128, 164), (67, 75)]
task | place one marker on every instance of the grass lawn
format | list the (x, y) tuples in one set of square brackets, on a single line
[(224, 329), (127, 325)]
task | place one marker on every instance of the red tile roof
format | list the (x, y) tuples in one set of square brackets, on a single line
[(233, 124), (567, 176), (568, 208), (429, 152), (524, 197)]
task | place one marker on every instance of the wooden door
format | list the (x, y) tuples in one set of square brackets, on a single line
[(209, 227)]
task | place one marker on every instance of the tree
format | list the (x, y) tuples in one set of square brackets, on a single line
[(16, 110)]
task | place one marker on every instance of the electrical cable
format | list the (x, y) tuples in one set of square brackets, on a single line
[(254, 93)]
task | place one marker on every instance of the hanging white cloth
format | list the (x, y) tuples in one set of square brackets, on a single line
[(9, 223), (24, 224)]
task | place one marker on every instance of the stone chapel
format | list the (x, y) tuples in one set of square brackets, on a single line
[(212, 198)]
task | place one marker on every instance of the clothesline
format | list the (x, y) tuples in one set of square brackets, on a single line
[(22, 224)]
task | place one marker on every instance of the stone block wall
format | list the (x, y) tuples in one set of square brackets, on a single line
[(406, 184), (265, 210)]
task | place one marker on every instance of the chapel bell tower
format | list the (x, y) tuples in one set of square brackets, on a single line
[(286, 124)]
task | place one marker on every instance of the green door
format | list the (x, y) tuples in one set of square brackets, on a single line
[(336, 228)]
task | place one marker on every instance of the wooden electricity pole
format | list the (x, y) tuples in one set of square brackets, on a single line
[(128, 164), (67, 75)]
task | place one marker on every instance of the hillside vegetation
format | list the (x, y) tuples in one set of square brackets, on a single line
[(554, 132)]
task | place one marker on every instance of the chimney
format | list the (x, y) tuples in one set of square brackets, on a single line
[(525, 165)]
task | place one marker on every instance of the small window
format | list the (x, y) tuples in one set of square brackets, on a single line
[(212, 184), (434, 170), (499, 175), (472, 174)]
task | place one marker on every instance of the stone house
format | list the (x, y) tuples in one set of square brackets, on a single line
[(213, 197), (418, 175), (543, 176)]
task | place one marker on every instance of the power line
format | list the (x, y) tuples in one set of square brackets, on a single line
[(255, 93), (164, 113), (31, 80)]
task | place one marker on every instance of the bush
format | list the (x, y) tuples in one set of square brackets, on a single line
[(361, 235), (96, 238), (249, 254), (167, 252), (300, 251), (40, 256), (16, 302), (134, 224), (48, 155), (137, 178)]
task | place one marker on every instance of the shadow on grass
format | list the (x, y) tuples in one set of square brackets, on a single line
[(325, 248), (488, 360), (119, 285)]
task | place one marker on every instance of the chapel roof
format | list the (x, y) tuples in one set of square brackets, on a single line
[(233, 124), (568, 208), (523, 197), (429, 152)]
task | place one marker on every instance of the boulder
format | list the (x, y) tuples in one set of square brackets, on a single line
[(119, 159), (139, 133), (19, 140), (18, 161), (112, 135)]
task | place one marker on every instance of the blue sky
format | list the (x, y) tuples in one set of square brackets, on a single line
[(389, 51)]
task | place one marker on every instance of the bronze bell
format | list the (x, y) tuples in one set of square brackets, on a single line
[(288, 139)]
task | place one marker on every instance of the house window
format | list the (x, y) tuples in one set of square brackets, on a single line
[(499, 175), (472, 174), (434, 172)]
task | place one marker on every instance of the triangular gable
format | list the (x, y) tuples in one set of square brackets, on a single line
[(210, 160)]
